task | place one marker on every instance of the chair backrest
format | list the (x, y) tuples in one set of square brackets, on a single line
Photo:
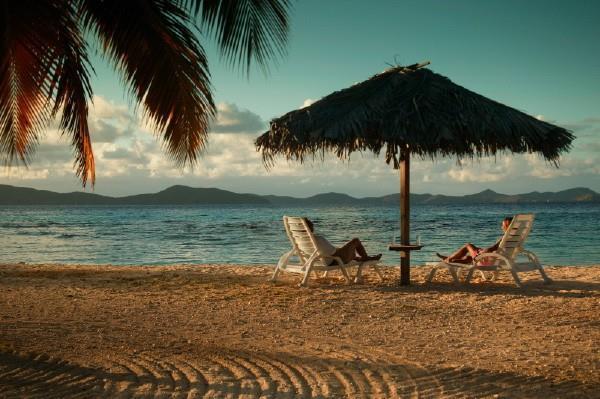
[(516, 234), (300, 236)]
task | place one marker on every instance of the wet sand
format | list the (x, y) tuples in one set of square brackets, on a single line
[(225, 331)]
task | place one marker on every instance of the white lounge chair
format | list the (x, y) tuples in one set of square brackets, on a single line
[(504, 258), (309, 259)]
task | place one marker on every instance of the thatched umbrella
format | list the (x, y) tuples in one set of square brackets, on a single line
[(403, 111)]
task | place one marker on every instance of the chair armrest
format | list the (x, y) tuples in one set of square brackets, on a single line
[(530, 255), (285, 257), (325, 258), (495, 255)]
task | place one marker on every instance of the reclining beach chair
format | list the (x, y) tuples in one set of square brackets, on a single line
[(310, 260), (504, 258)]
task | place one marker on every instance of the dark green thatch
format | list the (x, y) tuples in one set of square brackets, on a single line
[(409, 106)]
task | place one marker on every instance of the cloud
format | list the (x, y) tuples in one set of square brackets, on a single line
[(470, 175), (54, 152), (231, 119), (307, 102), (119, 153), (592, 120), (126, 151), (102, 131), (109, 121), (104, 109), (131, 156), (24, 174)]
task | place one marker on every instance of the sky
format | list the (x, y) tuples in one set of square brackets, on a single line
[(541, 57)]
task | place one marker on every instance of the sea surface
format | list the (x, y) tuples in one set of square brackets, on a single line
[(563, 234)]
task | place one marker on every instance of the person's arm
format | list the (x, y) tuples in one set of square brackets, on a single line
[(494, 247)]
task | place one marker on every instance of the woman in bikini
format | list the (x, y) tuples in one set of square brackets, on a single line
[(468, 252), (352, 250)]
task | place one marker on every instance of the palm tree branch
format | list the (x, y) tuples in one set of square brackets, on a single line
[(71, 90), (24, 105), (162, 62), (245, 29)]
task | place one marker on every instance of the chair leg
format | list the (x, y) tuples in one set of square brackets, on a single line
[(516, 277), (547, 280), (483, 276), (431, 274), (306, 276), (358, 277), (345, 273), (378, 272), (281, 264), (469, 275), (275, 274), (454, 275)]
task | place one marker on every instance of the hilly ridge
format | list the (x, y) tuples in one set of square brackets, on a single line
[(184, 195)]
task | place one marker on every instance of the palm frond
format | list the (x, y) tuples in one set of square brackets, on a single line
[(43, 70), (71, 91), (151, 43), (246, 29), (24, 109)]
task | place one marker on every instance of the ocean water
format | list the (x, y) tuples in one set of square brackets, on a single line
[(563, 234)]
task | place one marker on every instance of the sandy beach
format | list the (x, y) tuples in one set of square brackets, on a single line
[(224, 331)]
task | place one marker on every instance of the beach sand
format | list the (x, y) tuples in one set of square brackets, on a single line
[(225, 331)]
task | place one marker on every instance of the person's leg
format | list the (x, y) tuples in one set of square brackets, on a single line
[(362, 252), (346, 252), (359, 248), (459, 253), (354, 249), (462, 253)]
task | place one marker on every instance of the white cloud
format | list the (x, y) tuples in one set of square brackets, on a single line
[(126, 151), (231, 119), (25, 173), (307, 102), (469, 175)]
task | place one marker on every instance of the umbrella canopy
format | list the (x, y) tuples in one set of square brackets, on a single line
[(409, 110)]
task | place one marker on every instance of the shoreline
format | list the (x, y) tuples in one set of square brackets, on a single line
[(235, 264), (219, 330)]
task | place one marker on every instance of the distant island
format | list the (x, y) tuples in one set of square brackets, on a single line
[(183, 195)]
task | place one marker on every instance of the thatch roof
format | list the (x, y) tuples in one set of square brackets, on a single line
[(409, 106)]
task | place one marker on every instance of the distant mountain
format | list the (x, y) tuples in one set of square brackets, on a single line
[(11, 195), (183, 195), (175, 195), (492, 197), (319, 199)]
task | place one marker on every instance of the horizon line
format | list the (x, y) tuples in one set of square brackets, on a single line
[(310, 196)]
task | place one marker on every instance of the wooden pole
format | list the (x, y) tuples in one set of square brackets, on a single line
[(405, 215)]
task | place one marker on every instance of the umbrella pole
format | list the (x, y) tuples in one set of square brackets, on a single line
[(405, 215)]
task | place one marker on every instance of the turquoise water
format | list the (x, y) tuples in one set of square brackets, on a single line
[(563, 234)]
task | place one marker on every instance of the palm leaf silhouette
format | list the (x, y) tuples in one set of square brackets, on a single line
[(153, 44)]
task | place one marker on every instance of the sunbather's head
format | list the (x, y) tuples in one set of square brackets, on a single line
[(309, 224), (506, 222)]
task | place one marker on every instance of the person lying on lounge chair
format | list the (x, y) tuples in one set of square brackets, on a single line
[(352, 250), (468, 252)]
